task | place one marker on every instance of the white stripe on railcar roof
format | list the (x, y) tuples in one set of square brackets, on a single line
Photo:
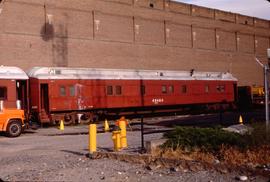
[(123, 74), (11, 72)]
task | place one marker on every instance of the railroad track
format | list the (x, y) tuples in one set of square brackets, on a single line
[(167, 123)]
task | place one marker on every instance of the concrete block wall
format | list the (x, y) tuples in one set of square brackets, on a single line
[(226, 41), (225, 16), (113, 27), (149, 31), (202, 12), (135, 34), (203, 38), (178, 35), (245, 43), (176, 7), (245, 20)]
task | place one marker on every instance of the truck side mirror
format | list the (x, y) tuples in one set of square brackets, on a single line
[(1, 105), (18, 104)]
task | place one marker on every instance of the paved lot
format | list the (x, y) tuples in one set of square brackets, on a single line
[(45, 154)]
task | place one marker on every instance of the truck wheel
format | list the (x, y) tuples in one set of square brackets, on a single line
[(14, 128)]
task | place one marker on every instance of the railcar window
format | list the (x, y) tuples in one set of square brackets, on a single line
[(221, 88), (118, 90), (183, 89), (109, 90), (143, 89), (63, 91), (171, 89), (206, 88), (164, 89), (3, 93), (72, 91)]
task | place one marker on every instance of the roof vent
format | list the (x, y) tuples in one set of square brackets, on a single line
[(220, 75), (58, 72), (191, 72), (161, 74)]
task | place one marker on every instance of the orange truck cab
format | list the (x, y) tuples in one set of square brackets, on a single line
[(13, 100), (12, 121)]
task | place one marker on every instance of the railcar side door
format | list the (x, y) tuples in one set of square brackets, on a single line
[(44, 97)]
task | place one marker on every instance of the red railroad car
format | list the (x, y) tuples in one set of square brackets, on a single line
[(64, 93), (13, 87)]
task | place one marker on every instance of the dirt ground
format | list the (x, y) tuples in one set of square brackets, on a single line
[(50, 155)]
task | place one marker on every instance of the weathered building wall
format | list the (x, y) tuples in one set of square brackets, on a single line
[(136, 34)]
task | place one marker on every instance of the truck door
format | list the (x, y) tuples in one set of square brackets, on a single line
[(2, 120)]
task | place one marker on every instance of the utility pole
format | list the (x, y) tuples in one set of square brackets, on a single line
[(266, 69), (266, 94), (266, 90)]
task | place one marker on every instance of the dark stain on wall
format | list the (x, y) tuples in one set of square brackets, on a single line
[(47, 31), (60, 47)]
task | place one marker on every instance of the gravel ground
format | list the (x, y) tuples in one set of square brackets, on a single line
[(37, 156)]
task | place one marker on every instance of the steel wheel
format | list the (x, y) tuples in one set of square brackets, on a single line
[(68, 120)]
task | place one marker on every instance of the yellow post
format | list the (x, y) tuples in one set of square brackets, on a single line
[(92, 138), (62, 127), (106, 126), (116, 140), (240, 119), (122, 125)]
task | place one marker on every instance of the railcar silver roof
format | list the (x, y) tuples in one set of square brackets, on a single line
[(123, 74), (10, 72)]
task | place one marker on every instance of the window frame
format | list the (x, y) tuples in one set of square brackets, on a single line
[(109, 88), (72, 91), (61, 93), (171, 89), (5, 95), (117, 89), (184, 89), (164, 89), (206, 88), (221, 88)]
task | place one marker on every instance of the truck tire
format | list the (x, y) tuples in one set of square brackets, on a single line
[(14, 128)]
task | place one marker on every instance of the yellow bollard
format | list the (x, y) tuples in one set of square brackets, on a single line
[(92, 138), (106, 126), (62, 127), (122, 125), (240, 120), (116, 140)]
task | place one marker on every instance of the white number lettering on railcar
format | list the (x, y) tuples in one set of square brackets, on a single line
[(157, 100)]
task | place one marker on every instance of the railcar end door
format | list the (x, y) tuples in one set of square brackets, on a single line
[(21, 92)]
